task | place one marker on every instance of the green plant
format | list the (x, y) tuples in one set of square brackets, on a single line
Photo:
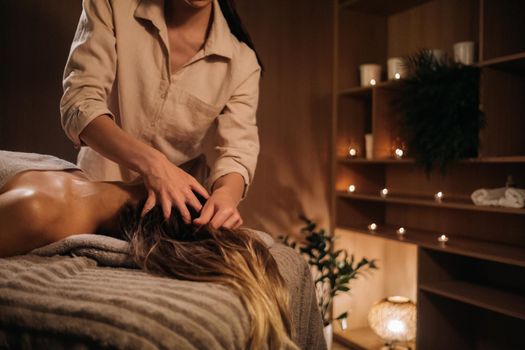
[(333, 270), (440, 116)]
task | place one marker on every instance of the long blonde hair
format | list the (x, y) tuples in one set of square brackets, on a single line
[(238, 259)]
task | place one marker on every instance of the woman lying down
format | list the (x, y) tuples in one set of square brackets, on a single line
[(44, 199)]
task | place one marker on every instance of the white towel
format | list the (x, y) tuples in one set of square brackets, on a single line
[(514, 198), (485, 196)]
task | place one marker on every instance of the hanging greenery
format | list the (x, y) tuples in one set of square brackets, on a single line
[(440, 116), (333, 269)]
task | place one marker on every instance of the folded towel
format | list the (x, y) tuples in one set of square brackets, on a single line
[(488, 196), (514, 198), (509, 197)]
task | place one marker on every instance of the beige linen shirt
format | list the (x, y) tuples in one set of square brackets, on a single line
[(119, 65)]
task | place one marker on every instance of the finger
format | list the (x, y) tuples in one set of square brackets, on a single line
[(149, 204), (166, 206), (183, 210), (193, 201), (220, 217), (231, 221), (195, 185), (206, 214), (238, 224)]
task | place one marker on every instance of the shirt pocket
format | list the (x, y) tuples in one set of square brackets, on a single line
[(185, 119)]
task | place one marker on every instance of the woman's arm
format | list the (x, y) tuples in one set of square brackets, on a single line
[(167, 184), (88, 80), (237, 147), (221, 209)]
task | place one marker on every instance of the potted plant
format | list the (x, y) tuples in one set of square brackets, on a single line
[(440, 115), (333, 270)]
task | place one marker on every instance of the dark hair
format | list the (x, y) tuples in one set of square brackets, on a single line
[(229, 12), (238, 259)]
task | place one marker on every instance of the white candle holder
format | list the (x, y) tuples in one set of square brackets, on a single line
[(351, 188), (369, 146), (438, 197), (384, 192), (401, 231), (372, 227), (396, 68), (370, 74), (352, 152)]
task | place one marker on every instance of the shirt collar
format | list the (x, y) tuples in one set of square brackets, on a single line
[(219, 41)]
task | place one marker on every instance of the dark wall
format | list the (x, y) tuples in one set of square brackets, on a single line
[(294, 41), (36, 36)]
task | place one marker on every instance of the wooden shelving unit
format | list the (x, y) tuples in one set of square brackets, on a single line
[(471, 291)]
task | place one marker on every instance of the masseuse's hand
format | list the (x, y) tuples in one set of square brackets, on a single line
[(169, 185), (220, 209)]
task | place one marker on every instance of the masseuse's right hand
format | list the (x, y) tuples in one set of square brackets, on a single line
[(169, 185)]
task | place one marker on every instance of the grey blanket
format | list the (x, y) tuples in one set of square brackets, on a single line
[(83, 293)]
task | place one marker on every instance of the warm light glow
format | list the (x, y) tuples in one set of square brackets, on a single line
[(401, 231), (439, 197), (351, 188), (384, 192), (398, 299), (396, 326), (399, 153), (442, 239), (397, 76), (372, 82), (352, 152), (372, 226)]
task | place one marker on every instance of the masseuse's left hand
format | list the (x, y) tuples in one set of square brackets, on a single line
[(220, 209)]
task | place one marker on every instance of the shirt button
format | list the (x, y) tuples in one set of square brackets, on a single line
[(163, 95), (152, 124)]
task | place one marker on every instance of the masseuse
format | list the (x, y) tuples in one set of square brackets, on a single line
[(145, 82)]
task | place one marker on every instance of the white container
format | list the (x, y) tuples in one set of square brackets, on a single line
[(396, 68), (464, 52), (370, 74), (369, 146)]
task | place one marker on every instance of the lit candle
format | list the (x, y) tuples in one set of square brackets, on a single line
[(401, 231), (397, 76), (438, 197), (442, 239), (372, 82), (372, 226), (399, 153), (352, 152), (384, 192), (351, 188)]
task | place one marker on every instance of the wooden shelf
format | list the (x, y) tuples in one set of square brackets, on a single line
[(423, 201), (358, 339), (514, 63), (496, 300), (379, 6), (487, 160), (501, 253), (366, 91)]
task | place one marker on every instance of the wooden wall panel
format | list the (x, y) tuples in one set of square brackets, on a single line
[(436, 24), (36, 36), (295, 42)]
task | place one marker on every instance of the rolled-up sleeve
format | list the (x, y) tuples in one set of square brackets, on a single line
[(90, 69), (237, 138)]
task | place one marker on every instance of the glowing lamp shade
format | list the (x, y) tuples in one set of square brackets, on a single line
[(394, 319)]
